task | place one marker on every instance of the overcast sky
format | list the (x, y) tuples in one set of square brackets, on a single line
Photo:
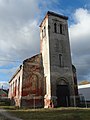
[(19, 33)]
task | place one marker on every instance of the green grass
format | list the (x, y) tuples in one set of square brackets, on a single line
[(3, 118), (52, 114), (9, 107)]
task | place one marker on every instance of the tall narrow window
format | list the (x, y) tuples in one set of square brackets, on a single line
[(60, 28), (55, 27), (60, 59), (15, 87), (19, 86), (44, 31), (63, 29)]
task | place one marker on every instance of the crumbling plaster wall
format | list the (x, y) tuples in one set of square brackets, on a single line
[(32, 89)]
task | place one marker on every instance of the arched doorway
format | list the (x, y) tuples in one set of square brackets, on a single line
[(63, 93)]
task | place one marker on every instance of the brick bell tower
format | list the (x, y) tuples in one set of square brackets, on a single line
[(56, 57)]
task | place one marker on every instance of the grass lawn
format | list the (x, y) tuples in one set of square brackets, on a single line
[(3, 118), (52, 114)]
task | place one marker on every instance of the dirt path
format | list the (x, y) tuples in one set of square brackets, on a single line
[(7, 115)]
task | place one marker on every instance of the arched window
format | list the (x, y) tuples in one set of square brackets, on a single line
[(55, 27), (60, 59), (15, 87), (19, 86), (60, 28)]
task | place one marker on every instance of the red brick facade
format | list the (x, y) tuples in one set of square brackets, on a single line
[(31, 81), (32, 86)]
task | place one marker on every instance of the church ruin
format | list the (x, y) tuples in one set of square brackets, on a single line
[(47, 79)]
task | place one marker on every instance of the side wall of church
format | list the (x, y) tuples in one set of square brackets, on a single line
[(15, 88), (32, 88)]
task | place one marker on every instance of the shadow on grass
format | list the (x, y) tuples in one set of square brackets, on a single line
[(52, 114)]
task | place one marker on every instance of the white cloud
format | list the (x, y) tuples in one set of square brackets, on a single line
[(19, 34), (80, 42), (19, 30)]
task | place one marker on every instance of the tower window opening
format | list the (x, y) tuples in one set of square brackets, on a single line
[(55, 27), (61, 31), (44, 32), (60, 59)]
